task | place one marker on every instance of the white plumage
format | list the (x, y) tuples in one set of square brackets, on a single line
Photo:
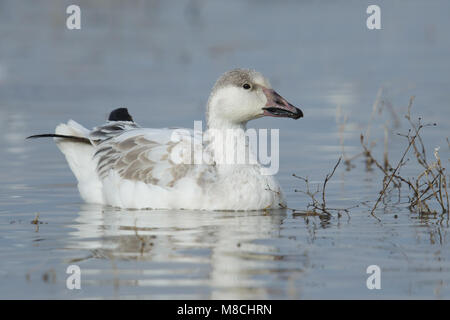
[(123, 165)]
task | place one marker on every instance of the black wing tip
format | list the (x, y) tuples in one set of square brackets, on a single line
[(46, 135), (120, 114), (62, 136)]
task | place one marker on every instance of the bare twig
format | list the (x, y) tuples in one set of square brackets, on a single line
[(393, 173), (429, 187), (430, 184), (317, 207), (327, 178)]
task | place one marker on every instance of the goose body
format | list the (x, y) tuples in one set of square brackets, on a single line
[(124, 165)]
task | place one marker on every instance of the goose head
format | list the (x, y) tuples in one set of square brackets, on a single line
[(241, 95)]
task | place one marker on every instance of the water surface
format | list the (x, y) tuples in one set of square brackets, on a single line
[(160, 60)]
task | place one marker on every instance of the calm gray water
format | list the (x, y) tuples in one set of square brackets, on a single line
[(160, 60)]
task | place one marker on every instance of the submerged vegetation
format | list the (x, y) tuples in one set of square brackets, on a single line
[(427, 186)]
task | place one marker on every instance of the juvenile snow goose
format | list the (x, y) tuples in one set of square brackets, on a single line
[(124, 165)]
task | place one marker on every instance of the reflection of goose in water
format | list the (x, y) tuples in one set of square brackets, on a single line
[(196, 253), (124, 165)]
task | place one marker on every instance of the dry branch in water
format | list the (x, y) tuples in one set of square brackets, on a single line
[(318, 206), (429, 187)]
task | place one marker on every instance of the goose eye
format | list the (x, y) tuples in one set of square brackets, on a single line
[(246, 86)]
